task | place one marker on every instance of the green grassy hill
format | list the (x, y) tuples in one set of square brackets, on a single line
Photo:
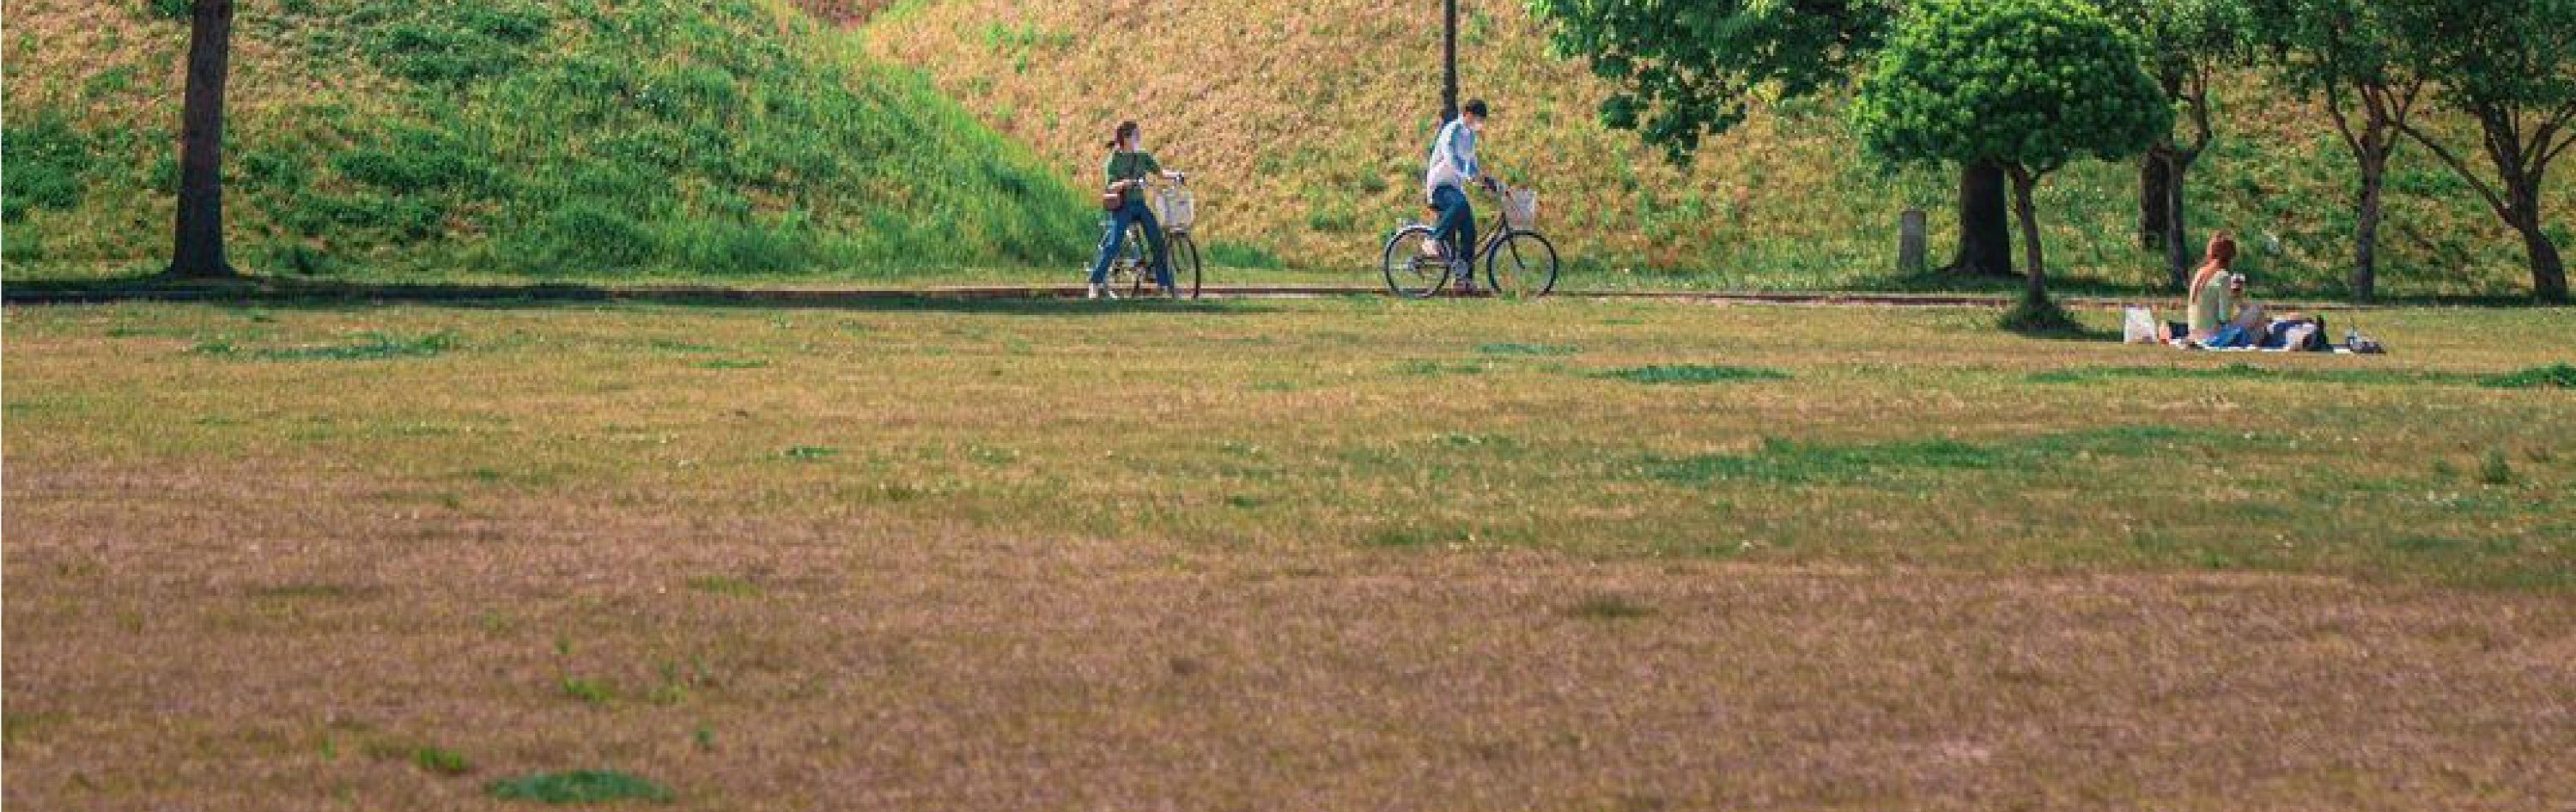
[(383, 138), (841, 139), (1307, 121)]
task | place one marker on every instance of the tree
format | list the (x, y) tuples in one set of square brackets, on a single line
[(2186, 41), (199, 253), (2344, 51), (2508, 65), (1686, 70), (2027, 85)]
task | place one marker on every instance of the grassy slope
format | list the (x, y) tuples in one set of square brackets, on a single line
[(577, 137), (1307, 120)]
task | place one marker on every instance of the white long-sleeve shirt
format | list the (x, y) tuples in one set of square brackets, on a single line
[(1453, 158)]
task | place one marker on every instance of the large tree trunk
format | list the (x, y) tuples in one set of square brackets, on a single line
[(200, 250), (2548, 275), (2177, 235), (2154, 180), (2037, 266), (2365, 229), (1985, 238)]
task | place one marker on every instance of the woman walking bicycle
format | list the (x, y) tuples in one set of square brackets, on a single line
[(1128, 169)]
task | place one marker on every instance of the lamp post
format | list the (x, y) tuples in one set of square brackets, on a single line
[(1448, 61)]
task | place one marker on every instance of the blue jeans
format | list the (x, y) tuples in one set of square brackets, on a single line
[(2229, 337), (1134, 212), (1457, 218)]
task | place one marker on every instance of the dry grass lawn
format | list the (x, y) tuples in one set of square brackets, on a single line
[(1280, 555)]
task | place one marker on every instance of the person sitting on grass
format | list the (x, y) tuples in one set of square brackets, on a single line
[(2210, 303), (2246, 327), (2255, 326), (1129, 165)]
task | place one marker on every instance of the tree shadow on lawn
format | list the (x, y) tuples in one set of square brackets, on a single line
[(2294, 294), (283, 293)]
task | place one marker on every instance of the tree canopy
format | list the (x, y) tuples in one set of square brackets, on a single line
[(2029, 85), (2033, 84), (1689, 69)]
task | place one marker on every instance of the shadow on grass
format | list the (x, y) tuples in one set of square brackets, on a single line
[(2094, 287), (2044, 319), (288, 293)]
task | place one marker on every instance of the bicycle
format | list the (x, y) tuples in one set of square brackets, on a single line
[(1175, 209), (1519, 261)]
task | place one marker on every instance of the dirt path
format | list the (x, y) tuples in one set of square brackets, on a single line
[(831, 296)]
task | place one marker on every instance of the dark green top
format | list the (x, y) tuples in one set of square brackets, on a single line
[(1132, 166)]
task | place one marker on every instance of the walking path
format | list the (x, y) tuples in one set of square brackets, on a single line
[(801, 296)]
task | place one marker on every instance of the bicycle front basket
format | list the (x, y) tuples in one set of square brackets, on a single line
[(1522, 206), (1175, 207)]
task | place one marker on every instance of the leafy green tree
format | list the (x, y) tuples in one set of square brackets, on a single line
[(2510, 65), (1687, 70), (2345, 53), (2186, 42), (2027, 85)]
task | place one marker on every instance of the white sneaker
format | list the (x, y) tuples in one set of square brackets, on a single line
[(1091, 291)]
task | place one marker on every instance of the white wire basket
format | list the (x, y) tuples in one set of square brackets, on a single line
[(1175, 207), (1521, 206)]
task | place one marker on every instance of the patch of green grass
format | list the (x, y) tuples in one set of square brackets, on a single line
[(2553, 376), (735, 363), (724, 585), (591, 692), (2251, 372), (441, 761), (810, 452), (1431, 367), (2040, 318), (1690, 373), (1225, 254), (300, 590), (1609, 607), (578, 787), (1528, 349), (2494, 469), (1412, 537), (1791, 462), (371, 347), (45, 166)]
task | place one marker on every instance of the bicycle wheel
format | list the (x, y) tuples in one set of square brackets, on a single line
[(1408, 273), (1139, 260), (1521, 266), (1185, 263)]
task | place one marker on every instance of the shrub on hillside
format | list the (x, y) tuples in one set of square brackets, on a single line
[(41, 166)]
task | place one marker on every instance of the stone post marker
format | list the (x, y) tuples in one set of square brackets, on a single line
[(1909, 242)]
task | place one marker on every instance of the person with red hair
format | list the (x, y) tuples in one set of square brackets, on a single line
[(2212, 303)]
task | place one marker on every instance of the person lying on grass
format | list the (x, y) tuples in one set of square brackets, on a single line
[(2253, 327)]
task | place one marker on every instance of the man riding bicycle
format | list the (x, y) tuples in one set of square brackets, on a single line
[(1453, 166)]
